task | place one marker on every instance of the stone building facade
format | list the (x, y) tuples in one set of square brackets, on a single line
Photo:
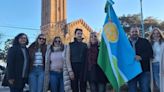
[(54, 22)]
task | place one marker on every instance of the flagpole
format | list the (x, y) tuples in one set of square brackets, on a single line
[(142, 21)]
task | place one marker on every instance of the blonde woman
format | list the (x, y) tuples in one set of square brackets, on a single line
[(156, 40), (96, 77), (162, 71)]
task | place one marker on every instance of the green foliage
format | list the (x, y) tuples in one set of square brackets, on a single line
[(162, 25), (134, 19), (0, 38), (3, 53)]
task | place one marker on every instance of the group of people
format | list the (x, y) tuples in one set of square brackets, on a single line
[(68, 68), (55, 67)]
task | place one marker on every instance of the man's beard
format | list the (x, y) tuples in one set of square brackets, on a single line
[(135, 37)]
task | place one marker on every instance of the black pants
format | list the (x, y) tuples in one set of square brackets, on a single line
[(78, 82), (97, 87)]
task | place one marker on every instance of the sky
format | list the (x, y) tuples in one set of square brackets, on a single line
[(27, 14)]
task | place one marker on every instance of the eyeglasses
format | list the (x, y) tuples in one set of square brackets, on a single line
[(42, 38), (57, 41)]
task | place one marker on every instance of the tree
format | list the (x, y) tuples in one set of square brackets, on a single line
[(3, 53), (129, 20), (162, 26), (150, 21), (0, 37), (134, 19)]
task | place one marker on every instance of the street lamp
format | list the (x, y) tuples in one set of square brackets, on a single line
[(142, 21)]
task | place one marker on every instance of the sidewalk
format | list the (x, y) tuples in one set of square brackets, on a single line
[(108, 89), (4, 89)]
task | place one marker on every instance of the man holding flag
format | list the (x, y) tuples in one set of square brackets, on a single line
[(144, 53), (116, 56)]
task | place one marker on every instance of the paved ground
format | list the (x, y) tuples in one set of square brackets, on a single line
[(109, 89), (6, 89)]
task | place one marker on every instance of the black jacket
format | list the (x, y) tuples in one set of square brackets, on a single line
[(78, 52), (15, 63), (144, 49)]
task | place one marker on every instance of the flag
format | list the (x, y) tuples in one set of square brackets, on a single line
[(116, 55)]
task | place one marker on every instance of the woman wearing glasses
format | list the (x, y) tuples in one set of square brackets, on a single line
[(56, 56), (37, 62)]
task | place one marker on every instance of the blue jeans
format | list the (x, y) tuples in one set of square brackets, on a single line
[(144, 82), (56, 82), (155, 68), (97, 87), (36, 78)]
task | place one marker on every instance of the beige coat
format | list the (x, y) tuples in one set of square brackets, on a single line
[(162, 71), (66, 69)]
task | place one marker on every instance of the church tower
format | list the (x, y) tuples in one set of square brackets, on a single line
[(54, 22), (53, 18)]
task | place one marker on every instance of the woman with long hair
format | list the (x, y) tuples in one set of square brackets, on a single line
[(56, 56), (18, 63), (37, 62), (157, 41), (162, 70), (96, 77)]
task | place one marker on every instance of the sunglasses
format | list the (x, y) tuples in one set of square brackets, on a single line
[(42, 38), (57, 41)]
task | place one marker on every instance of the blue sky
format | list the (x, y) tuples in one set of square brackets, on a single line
[(27, 13)]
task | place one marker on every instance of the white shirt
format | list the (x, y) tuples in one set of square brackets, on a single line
[(38, 58), (157, 51)]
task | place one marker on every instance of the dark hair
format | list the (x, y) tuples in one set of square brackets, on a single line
[(61, 44), (16, 39), (78, 29), (36, 41), (133, 26)]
